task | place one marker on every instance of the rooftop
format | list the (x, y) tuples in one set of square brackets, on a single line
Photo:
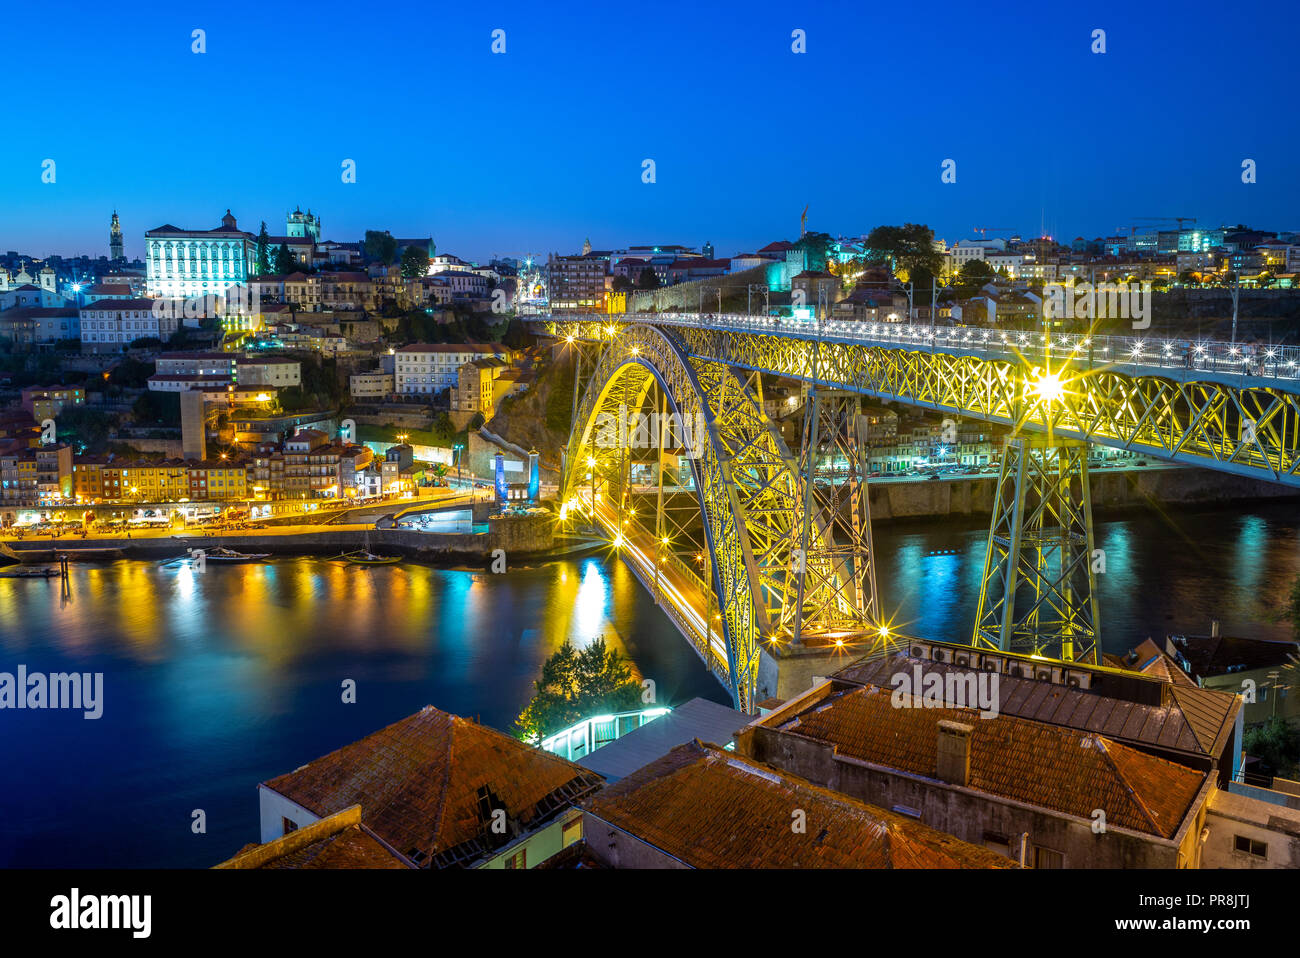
[(1139, 710), (1013, 758), (696, 719), (710, 808), (428, 785)]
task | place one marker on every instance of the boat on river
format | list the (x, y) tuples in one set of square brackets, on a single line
[(222, 554)]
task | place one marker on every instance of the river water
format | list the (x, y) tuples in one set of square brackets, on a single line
[(218, 680)]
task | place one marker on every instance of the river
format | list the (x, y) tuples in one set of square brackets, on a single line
[(218, 680)]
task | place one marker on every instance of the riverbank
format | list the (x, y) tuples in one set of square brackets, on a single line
[(1112, 491), (518, 537)]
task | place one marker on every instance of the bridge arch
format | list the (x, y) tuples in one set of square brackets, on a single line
[(729, 461)]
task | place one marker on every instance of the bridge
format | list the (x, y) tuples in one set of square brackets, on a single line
[(762, 555)]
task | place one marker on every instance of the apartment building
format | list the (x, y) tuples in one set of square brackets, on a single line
[(425, 368)]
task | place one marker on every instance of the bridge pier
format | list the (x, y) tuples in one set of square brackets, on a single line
[(1038, 592)]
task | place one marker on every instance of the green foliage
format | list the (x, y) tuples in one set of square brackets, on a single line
[(1274, 741), (321, 388), (415, 262), (816, 248), (263, 251), (647, 279), (380, 245), (909, 247), (976, 272), (131, 374), (559, 404), (87, 430), (576, 685), (158, 409), (285, 261)]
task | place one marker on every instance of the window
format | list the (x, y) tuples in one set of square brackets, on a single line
[(1250, 846), (518, 860), (288, 825), (1046, 858)]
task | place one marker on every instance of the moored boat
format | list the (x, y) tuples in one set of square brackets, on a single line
[(222, 554)]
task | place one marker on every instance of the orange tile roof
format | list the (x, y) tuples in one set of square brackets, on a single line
[(354, 847), (710, 808), (428, 784), (1033, 762), (337, 841)]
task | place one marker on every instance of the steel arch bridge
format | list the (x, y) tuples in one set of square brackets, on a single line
[(732, 580), (782, 553)]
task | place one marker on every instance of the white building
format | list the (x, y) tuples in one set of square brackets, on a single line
[(373, 385), (182, 264), (430, 368), (112, 324)]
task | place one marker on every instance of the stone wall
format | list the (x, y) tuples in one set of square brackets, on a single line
[(1111, 489)]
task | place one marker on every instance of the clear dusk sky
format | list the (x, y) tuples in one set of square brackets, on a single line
[(538, 148)]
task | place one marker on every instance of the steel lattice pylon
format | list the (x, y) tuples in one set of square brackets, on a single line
[(833, 561), (1038, 593)]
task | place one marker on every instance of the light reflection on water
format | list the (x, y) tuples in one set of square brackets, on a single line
[(218, 680)]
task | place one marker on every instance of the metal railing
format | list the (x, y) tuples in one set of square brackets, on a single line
[(1244, 360)]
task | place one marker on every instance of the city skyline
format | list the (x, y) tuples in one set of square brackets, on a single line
[(1047, 136)]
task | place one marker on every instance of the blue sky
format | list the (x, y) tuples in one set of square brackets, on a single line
[(539, 148)]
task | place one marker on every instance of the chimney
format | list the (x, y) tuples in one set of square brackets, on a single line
[(952, 756)]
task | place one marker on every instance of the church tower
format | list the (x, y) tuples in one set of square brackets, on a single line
[(586, 247), (115, 239)]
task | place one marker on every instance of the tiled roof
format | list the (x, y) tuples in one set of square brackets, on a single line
[(710, 808), (1153, 660), (1014, 758), (338, 841), (452, 348), (1150, 720), (427, 785)]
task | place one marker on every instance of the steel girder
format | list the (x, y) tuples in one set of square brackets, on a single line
[(1038, 591), (834, 565), (1249, 430), (744, 476)]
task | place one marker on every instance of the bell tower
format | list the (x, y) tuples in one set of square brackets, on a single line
[(115, 239)]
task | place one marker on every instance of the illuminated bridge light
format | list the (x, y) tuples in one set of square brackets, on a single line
[(1048, 387)]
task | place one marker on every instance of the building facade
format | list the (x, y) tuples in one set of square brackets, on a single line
[(182, 264)]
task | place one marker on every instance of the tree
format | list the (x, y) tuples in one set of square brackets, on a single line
[(816, 248), (380, 245), (1274, 741), (620, 284), (907, 247), (415, 261), (576, 685), (647, 279), (263, 251), (87, 429), (285, 262), (976, 272)]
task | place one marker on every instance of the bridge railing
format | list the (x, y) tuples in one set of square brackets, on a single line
[(1245, 360)]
